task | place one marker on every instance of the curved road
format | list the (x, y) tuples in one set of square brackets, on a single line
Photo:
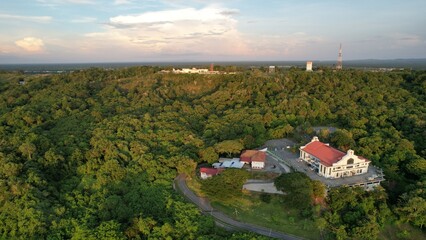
[(222, 219)]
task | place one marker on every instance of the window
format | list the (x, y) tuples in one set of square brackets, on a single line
[(350, 161)]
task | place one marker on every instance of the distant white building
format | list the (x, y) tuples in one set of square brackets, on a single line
[(191, 70), (271, 69), (309, 66)]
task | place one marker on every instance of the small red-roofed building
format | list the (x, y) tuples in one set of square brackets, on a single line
[(332, 163), (209, 172), (254, 157), (247, 155), (258, 160)]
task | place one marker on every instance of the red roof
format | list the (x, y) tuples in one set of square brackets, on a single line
[(210, 171), (326, 154), (252, 155), (247, 155), (259, 157)]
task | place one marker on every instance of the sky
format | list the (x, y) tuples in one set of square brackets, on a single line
[(75, 31)]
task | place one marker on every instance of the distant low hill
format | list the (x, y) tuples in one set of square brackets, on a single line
[(416, 64)]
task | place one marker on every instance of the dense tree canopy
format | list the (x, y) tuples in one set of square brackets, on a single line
[(298, 187), (92, 153), (226, 185), (355, 213)]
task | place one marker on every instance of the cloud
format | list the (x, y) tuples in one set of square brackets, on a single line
[(40, 19), (205, 31), (407, 39), (186, 14), (82, 1), (84, 20), (122, 2), (30, 44), (55, 3)]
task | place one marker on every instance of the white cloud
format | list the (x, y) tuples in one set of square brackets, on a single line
[(186, 14), (82, 1), (40, 19), (206, 31), (30, 44), (122, 2), (84, 20), (54, 3)]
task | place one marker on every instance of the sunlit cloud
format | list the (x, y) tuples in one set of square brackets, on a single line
[(30, 44), (40, 19), (205, 31), (186, 14)]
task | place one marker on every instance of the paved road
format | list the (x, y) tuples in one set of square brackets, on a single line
[(222, 219)]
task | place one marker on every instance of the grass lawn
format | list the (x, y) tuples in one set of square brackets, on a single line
[(272, 215), (250, 209), (260, 175), (401, 231), (195, 185)]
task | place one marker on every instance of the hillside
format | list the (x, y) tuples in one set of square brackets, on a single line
[(92, 154)]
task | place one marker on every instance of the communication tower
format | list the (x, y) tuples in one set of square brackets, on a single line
[(339, 59)]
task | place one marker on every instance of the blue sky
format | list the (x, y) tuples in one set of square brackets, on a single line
[(61, 31)]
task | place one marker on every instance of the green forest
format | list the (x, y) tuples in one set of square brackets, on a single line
[(92, 154)]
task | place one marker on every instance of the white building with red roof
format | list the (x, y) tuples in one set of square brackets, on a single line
[(254, 157), (209, 172), (332, 163)]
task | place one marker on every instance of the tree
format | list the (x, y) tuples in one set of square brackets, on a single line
[(226, 185), (209, 155), (413, 211), (319, 189), (298, 187), (355, 213), (343, 139), (89, 151), (109, 230), (185, 165), (28, 149), (229, 147), (417, 166), (281, 131)]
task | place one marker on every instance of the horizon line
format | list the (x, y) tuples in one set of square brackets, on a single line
[(206, 61)]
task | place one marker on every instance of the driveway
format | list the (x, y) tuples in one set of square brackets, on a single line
[(222, 219)]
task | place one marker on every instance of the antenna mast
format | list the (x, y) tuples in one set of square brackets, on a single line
[(339, 59)]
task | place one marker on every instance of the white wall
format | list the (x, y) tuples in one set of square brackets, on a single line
[(257, 165)]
